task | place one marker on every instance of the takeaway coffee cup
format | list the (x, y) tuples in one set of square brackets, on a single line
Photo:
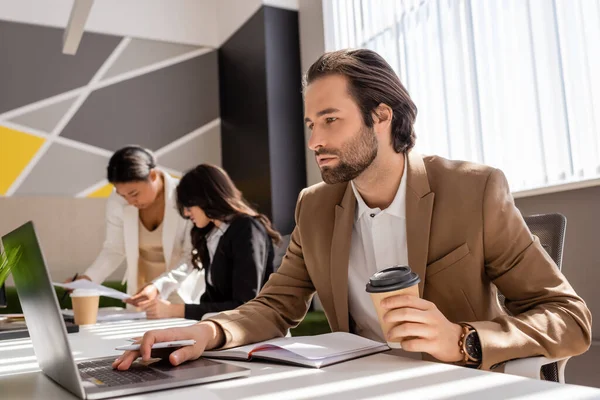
[(389, 282), (85, 306)]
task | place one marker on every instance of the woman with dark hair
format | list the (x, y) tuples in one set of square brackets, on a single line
[(143, 227), (232, 242)]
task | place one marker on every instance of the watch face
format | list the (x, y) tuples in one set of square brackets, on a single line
[(473, 346)]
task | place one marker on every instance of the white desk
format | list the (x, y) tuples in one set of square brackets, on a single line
[(379, 376)]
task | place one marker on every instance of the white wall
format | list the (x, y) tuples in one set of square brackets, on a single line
[(197, 22), (289, 4), (231, 14), (180, 21), (71, 231)]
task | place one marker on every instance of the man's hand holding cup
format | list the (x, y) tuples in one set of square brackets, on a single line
[(409, 322)]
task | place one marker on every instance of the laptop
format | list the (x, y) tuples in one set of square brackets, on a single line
[(93, 378)]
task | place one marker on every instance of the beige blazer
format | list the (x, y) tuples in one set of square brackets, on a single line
[(465, 238), (122, 243)]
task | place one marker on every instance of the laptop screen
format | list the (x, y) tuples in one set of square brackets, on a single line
[(40, 307), (2, 297)]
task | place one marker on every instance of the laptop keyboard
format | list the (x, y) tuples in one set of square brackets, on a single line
[(105, 375)]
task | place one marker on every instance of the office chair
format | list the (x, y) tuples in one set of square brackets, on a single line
[(550, 230)]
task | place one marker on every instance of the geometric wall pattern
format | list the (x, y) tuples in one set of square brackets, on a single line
[(16, 151), (61, 116)]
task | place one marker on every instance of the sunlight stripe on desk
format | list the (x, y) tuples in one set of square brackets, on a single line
[(561, 392), (15, 360), (253, 380), (133, 328), (16, 368), (355, 383), (486, 382), (16, 347), (455, 388), (159, 324), (13, 342)]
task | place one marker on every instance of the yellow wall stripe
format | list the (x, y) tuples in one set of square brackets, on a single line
[(104, 191), (16, 151)]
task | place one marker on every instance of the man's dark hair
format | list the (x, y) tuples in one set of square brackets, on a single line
[(371, 82)]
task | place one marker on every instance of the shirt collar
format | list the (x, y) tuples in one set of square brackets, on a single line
[(218, 231), (398, 206)]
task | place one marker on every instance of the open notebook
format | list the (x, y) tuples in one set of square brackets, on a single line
[(308, 351)]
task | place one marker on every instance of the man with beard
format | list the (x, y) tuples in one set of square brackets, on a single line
[(454, 223)]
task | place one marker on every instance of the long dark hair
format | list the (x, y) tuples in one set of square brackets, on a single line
[(210, 188), (372, 81), (130, 164)]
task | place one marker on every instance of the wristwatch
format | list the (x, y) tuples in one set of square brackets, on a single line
[(470, 346)]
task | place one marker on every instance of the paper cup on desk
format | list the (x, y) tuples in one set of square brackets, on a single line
[(85, 306), (387, 283)]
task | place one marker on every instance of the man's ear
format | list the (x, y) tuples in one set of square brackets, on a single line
[(383, 115)]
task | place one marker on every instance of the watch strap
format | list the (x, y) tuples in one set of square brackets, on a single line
[(467, 360)]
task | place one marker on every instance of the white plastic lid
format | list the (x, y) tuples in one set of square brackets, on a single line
[(85, 293)]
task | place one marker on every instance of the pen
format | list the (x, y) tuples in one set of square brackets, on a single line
[(66, 291)]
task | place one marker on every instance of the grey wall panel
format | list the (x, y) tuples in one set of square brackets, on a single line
[(205, 148), (32, 66), (151, 110), (141, 52), (45, 119), (59, 172)]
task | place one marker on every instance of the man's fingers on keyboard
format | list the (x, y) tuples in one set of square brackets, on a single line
[(126, 360)]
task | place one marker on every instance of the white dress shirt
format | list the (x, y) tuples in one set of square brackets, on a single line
[(212, 242), (378, 242)]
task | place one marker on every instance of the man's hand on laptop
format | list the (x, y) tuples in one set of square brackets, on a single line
[(207, 335)]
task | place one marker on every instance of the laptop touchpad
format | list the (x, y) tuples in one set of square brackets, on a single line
[(165, 365)]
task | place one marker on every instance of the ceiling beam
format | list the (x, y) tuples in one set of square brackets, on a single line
[(76, 25)]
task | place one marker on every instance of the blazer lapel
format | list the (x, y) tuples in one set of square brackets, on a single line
[(340, 256), (131, 240), (170, 220), (419, 208)]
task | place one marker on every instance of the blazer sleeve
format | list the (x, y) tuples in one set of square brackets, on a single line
[(281, 304), (113, 251), (182, 268), (548, 318), (247, 249)]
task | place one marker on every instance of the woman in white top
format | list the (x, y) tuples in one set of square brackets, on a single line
[(143, 227)]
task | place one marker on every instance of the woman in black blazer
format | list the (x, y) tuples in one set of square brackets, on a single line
[(231, 241)]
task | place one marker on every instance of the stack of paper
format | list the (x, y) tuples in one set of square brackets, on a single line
[(85, 284), (107, 314)]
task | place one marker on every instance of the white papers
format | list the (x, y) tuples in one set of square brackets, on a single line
[(108, 314), (85, 284)]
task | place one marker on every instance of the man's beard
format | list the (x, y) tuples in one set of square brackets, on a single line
[(354, 157)]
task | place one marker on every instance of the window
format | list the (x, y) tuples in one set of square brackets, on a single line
[(510, 83)]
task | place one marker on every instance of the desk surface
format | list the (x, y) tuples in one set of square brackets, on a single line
[(379, 376)]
